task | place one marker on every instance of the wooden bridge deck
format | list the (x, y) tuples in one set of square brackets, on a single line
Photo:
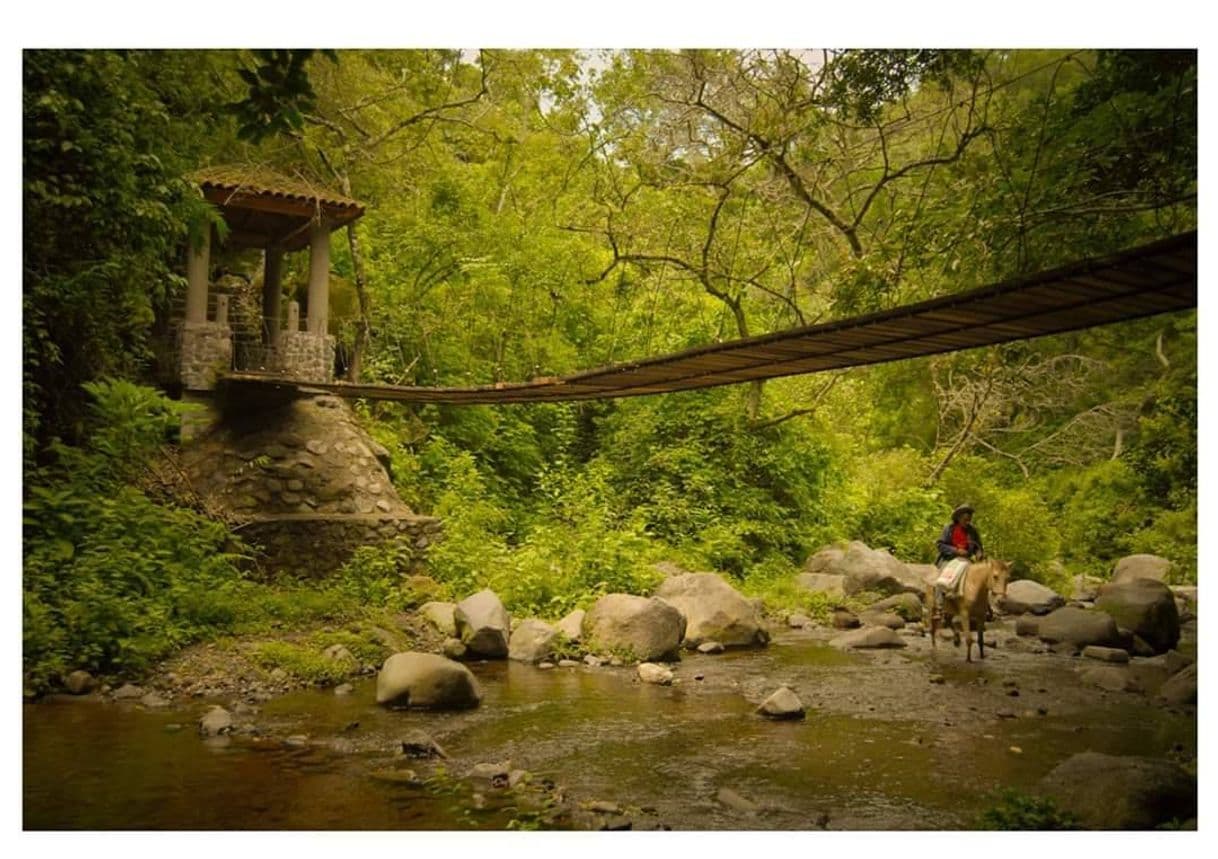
[(1156, 278)]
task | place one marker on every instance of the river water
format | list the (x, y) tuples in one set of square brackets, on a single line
[(883, 746)]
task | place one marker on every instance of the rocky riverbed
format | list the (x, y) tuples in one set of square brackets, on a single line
[(903, 737)]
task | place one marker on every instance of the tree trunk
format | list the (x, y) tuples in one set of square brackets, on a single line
[(363, 329)]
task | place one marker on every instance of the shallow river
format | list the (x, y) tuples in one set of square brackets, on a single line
[(882, 747)]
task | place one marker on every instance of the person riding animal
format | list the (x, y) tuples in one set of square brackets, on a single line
[(959, 544)]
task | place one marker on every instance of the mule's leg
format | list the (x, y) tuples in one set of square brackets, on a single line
[(981, 640), (968, 642)]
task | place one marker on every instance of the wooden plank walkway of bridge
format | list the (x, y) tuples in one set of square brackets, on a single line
[(1156, 278)]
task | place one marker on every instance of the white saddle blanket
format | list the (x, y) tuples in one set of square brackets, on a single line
[(952, 574)]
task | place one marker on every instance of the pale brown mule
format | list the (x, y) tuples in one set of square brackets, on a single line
[(971, 604)]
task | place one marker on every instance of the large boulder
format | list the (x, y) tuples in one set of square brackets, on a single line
[(483, 624), (426, 680), (783, 704), (714, 611), (830, 584), (571, 625), (645, 627), (926, 573), (864, 569), (907, 605), (1135, 567), (1145, 607), (1079, 627), (440, 615), (1026, 596), (532, 641), (1116, 792)]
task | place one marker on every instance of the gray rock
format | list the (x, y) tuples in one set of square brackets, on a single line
[(782, 704), (454, 648), (866, 569), (498, 774), (822, 583), (906, 605), (80, 683), (649, 672), (798, 621), (483, 624), (215, 722), (714, 611), (1027, 625), (128, 692), (532, 641), (568, 663), (154, 701), (571, 625), (1110, 678), (592, 661), (735, 801), (927, 573), (1136, 567), (845, 619), (426, 680), (647, 628), (1171, 662), (1111, 792), (1181, 688), (339, 653), (1106, 654), (889, 619), (711, 647), (440, 615), (1078, 627), (1145, 607), (344, 689), (868, 638), (419, 744), (1025, 596)]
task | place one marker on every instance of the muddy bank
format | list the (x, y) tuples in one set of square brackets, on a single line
[(888, 738)]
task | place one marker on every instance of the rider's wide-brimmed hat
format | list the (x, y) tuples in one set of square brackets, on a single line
[(960, 511)]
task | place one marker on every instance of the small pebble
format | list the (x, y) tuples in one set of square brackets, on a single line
[(1017, 750)]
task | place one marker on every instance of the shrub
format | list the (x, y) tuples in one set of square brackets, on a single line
[(1012, 810)]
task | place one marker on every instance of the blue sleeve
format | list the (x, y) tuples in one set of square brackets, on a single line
[(946, 547)]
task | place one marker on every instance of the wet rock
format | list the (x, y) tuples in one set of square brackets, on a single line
[(1106, 654), (888, 619), (1141, 567), (426, 680), (1181, 688), (1077, 627), (419, 744), (822, 583), (80, 683), (599, 806), (154, 701), (1172, 662), (128, 692), (483, 624), (344, 689), (567, 663), (440, 615), (714, 611), (648, 628), (215, 722), (1026, 596), (649, 672), (532, 641), (798, 621), (453, 648), (498, 774), (782, 704), (735, 801), (1145, 607), (1110, 678), (571, 625), (278, 675), (593, 661), (845, 619), (1116, 792), (906, 605), (545, 666), (870, 637), (296, 741), (710, 647), (938, 679), (1085, 588)]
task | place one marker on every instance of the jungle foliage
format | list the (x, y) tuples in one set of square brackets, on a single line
[(532, 213)]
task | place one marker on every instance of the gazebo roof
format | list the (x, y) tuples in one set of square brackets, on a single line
[(264, 208)]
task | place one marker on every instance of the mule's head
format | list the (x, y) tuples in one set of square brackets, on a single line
[(1000, 573)]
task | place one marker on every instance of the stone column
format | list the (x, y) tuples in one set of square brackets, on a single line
[(197, 264), (222, 309), (271, 290), (319, 279)]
